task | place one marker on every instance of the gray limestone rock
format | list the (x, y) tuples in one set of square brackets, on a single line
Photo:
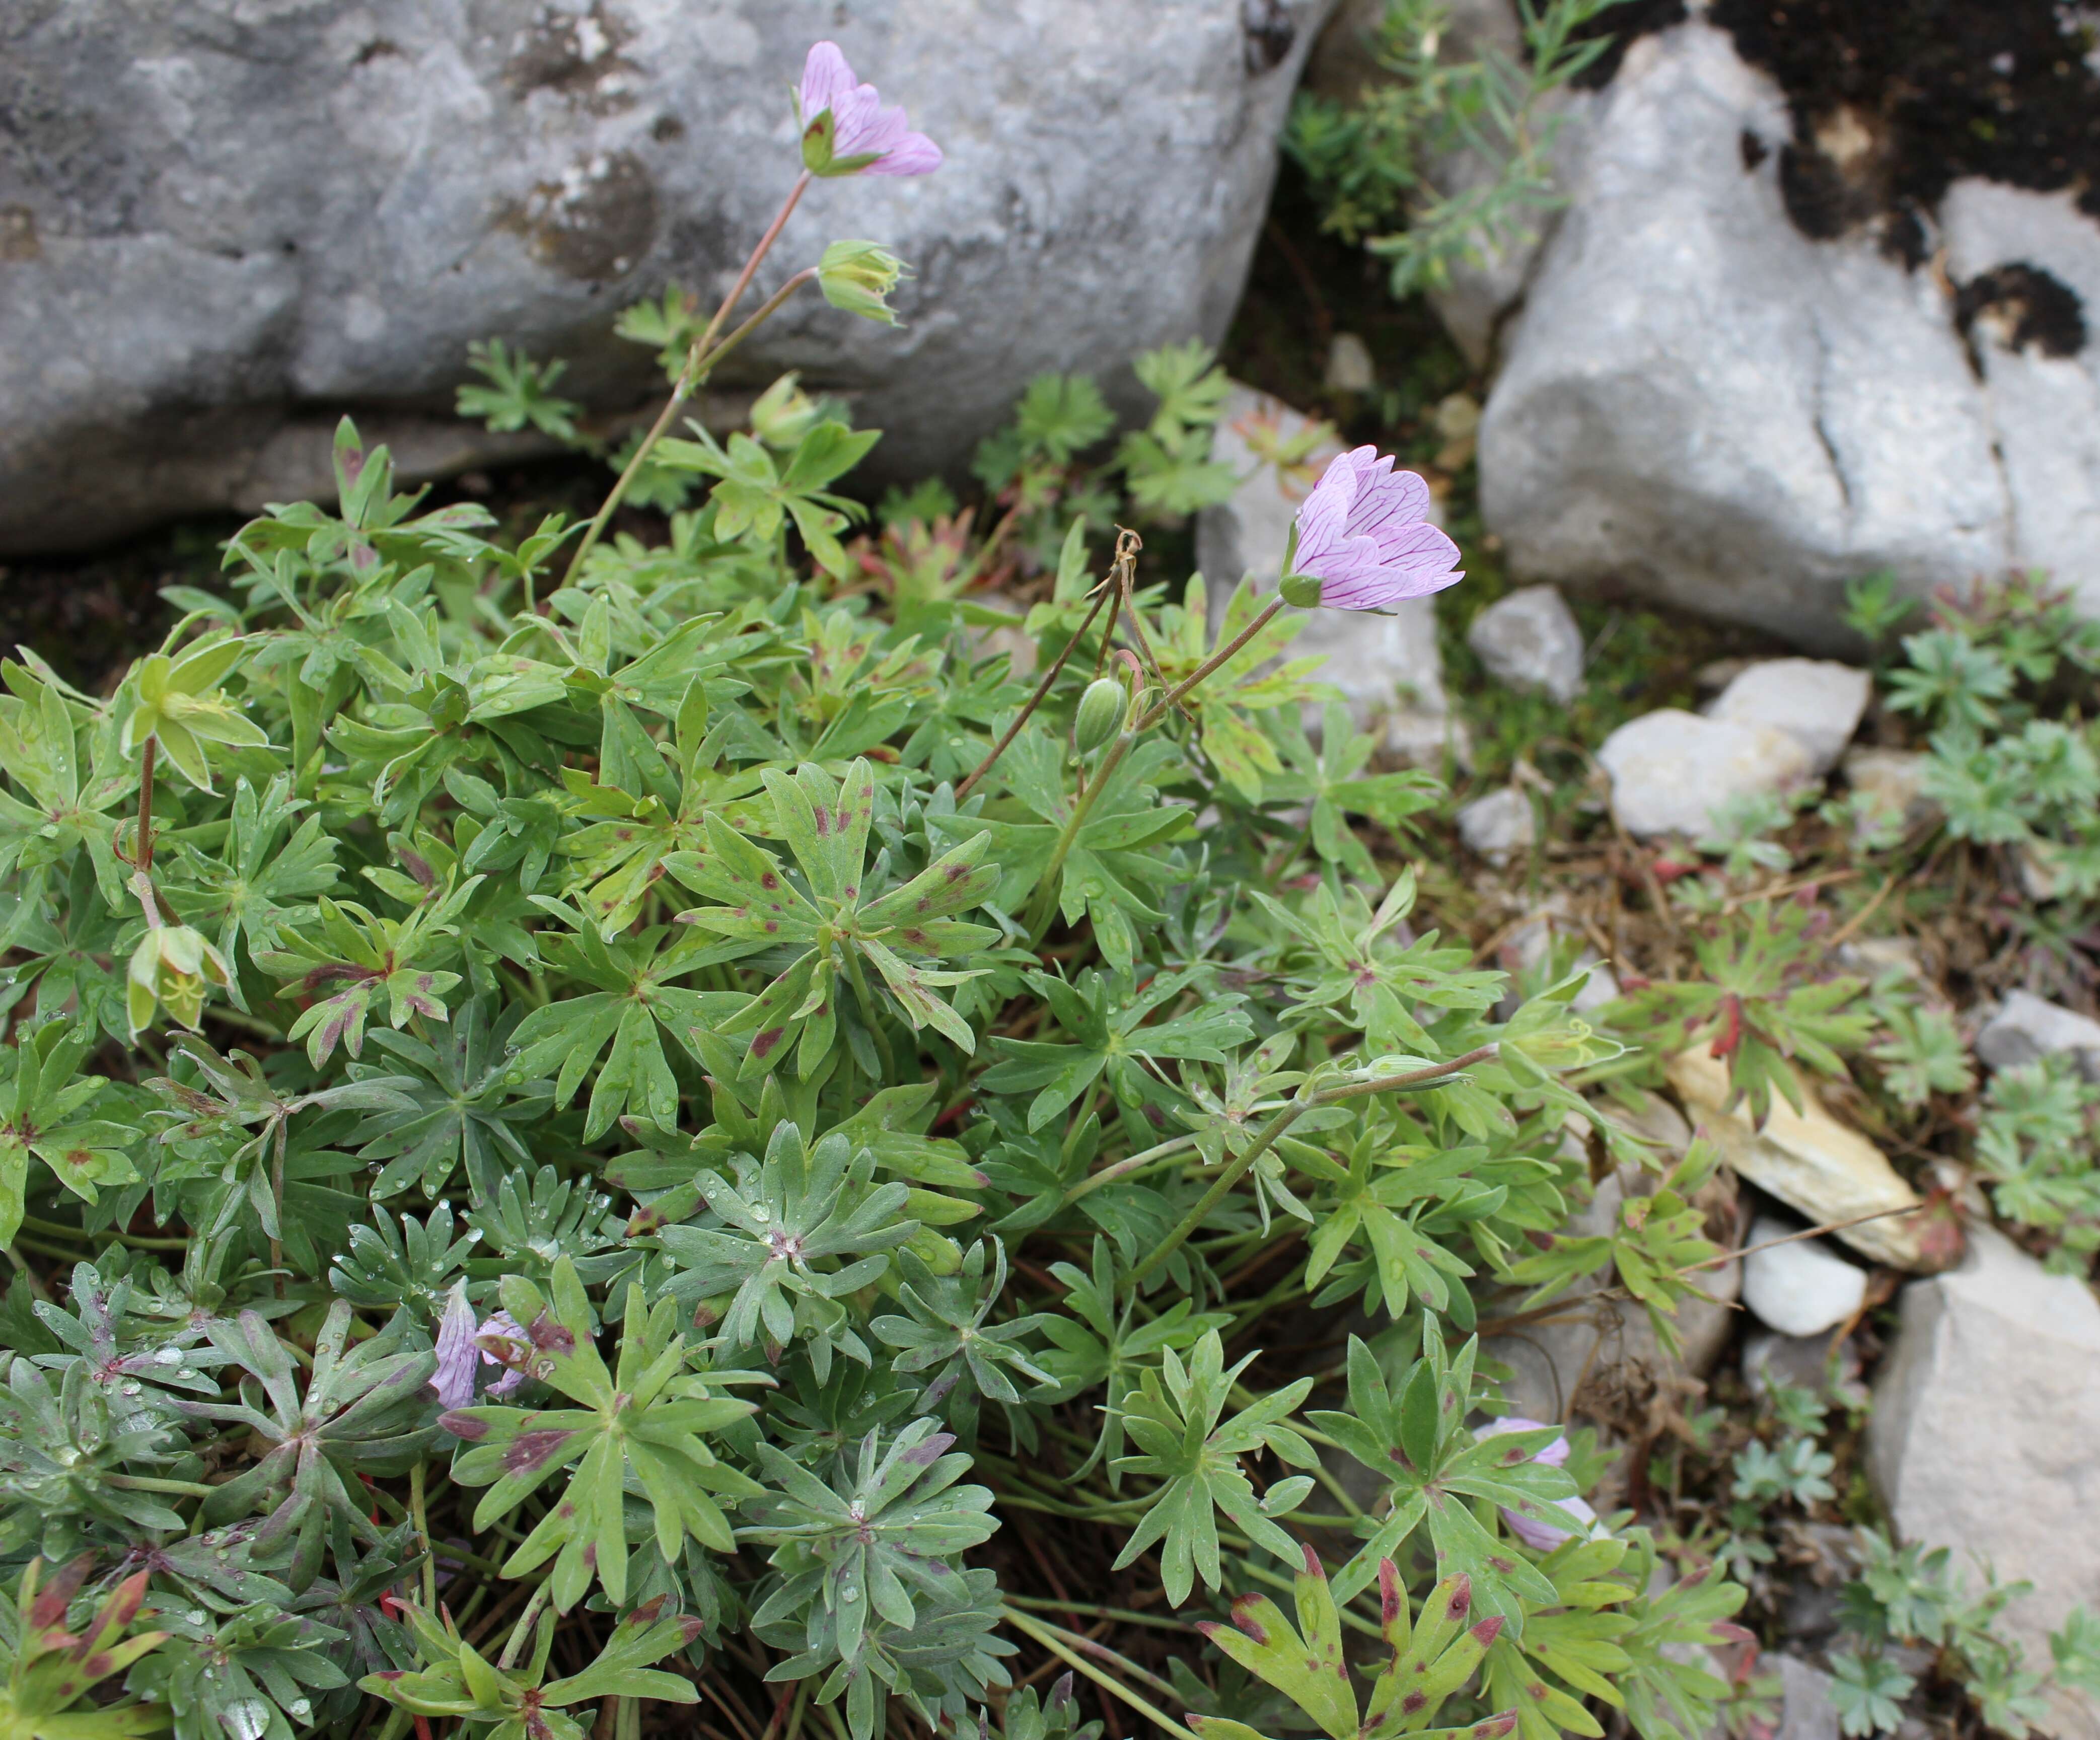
[(2028, 1028), (1702, 402), (1802, 1288), (1817, 702), (1888, 791), (1528, 640), (1499, 825), (1807, 1712), (222, 222), (2043, 398), (1670, 769), (1982, 1437)]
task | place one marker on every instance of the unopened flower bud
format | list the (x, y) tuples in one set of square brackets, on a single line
[(784, 414), (173, 966), (856, 276), (1100, 712)]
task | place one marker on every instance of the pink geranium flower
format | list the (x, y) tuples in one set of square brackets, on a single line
[(847, 131), (1361, 535), (1531, 1530), (464, 1347)]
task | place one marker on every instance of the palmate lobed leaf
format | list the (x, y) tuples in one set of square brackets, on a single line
[(648, 1417), (1433, 1656)]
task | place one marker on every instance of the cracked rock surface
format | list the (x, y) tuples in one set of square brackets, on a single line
[(221, 222), (1702, 401)]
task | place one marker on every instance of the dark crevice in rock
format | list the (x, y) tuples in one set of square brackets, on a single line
[(1270, 31), (1893, 100), (2023, 307)]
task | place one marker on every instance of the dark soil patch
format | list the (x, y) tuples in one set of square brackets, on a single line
[(1894, 100), (89, 617)]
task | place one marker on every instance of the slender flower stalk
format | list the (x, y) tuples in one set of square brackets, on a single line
[(699, 359), (1263, 618), (1101, 596)]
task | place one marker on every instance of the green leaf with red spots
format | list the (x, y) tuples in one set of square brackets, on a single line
[(1432, 1659), (645, 1418)]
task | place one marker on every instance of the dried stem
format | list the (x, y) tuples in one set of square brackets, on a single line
[(1102, 594)]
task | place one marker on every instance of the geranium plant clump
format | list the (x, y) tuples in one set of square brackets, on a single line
[(589, 1127)]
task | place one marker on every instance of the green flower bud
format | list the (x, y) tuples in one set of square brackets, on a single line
[(1301, 590), (1100, 712), (784, 414), (856, 275), (172, 966)]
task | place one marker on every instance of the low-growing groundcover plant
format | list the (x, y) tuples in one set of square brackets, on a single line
[(591, 1127)]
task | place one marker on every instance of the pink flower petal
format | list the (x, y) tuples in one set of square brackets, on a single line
[(1543, 1535), (826, 77), (1362, 533), (453, 1380), (861, 126), (914, 154)]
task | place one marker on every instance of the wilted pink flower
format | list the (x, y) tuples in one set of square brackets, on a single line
[(1361, 533), (453, 1380), (1531, 1531), (861, 136)]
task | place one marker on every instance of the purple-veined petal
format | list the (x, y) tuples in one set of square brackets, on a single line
[(1553, 1455), (861, 125), (826, 77), (1544, 1535), (453, 1380), (1362, 534), (502, 1329)]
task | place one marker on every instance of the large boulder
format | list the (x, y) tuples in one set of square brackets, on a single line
[(1702, 401), (223, 222)]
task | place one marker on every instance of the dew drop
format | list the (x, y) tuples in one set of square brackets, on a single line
[(247, 1719), (167, 1356)]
